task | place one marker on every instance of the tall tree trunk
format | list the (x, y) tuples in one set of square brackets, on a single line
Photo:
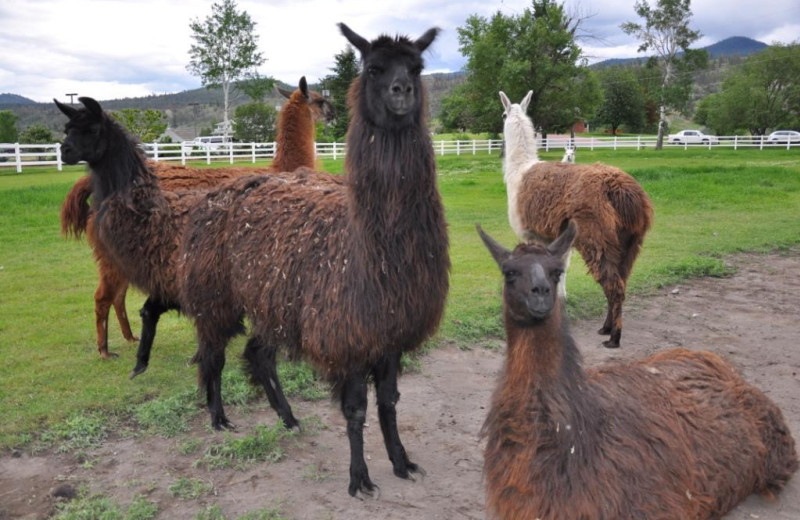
[(662, 109)]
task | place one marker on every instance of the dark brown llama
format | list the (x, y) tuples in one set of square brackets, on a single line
[(676, 435), (611, 209), (294, 149), (348, 276)]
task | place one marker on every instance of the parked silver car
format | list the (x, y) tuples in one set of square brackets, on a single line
[(691, 137), (783, 137)]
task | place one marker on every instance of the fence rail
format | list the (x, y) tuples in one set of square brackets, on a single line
[(19, 155)]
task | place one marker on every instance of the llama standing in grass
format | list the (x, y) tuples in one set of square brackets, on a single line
[(678, 435), (348, 276), (612, 211), (294, 149), (569, 155)]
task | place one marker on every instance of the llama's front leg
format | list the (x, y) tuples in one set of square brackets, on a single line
[(262, 368), (102, 303), (150, 313), (385, 374), (354, 408)]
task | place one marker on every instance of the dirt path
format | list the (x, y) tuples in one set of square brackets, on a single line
[(753, 319)]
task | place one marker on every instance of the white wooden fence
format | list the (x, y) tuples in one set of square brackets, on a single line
[(19, 155)]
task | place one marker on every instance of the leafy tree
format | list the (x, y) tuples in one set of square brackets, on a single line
[(36, 134), (225, 49), (666, 31), (255, 123), (8, 126), (257, 87), (146, 124), (623, 100), (337, 84), (535, 50), (454, 114), (761, 94)]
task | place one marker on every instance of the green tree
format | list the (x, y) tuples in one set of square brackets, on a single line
[(666, 31), (623, 100), (255, 123), (145, 124), (535, 50), (8, 126), (760, 95), (454, 114), (225, 49), (36, 134), (257, 87), (337, 84)]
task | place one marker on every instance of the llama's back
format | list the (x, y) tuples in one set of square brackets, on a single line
[(737, 439)]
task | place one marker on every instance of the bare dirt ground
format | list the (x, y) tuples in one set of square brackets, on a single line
[(752, 319)]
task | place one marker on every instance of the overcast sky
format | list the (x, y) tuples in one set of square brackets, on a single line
[(111, 49)]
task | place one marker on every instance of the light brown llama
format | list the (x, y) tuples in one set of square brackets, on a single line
[(294, 149), (348, 276), (612, 210), (677, 435)]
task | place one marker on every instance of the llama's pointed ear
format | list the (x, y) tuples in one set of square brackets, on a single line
[(283, 92), (66, 109), (303, 86), (560, 246), (504, 99), (498, 252), (358, 42), (424, 41), (526, 101), (92, 106)]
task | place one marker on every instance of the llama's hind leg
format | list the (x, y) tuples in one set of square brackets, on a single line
[(385, 375), (261, 365), (211, 360), (151, 312), (354, 407), (102, 303), (614, 290), (122, 313)]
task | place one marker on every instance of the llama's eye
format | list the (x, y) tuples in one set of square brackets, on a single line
[(373, 71), (505, 115), (510, 275), (416, 70), (555, 274)]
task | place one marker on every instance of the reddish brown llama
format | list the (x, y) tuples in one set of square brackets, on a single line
[(611, 209), (348, 276), (676, 435), (294, 149)]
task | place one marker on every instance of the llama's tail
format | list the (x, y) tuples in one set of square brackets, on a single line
[(75, 209), (633, 206)]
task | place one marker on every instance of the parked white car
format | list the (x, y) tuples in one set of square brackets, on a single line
[(783, 137), (212, 143), (691, 137)]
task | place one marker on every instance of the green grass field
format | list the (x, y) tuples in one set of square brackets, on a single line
[(708, 204)]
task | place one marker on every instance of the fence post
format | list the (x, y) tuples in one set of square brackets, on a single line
[(208, 155), (183, 155), (473, 146), (441, 147), (253, 151), (58, 156), (155, 151), (761, 142), (615, 142), (458, 147), (18, 157), (230, 151), (638, 142)]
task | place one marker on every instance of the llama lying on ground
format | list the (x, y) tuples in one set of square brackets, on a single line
[(676, 435), (348, 276), (294, 149), (569, 155), (612, 211)]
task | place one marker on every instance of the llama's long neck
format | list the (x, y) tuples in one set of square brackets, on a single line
[(295, 139), (520, 155), (121, 167), (543, 396)]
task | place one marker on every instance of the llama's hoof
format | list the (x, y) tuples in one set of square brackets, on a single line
[(132, 339), (223, 424), (137, 370), (364, 493), (611, 344), (108, 355)]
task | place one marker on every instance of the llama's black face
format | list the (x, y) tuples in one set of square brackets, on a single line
[(391, 87), (84, 132), (531, 273)]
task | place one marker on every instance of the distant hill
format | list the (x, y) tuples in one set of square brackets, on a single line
[(728, 48), (13, 99)]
